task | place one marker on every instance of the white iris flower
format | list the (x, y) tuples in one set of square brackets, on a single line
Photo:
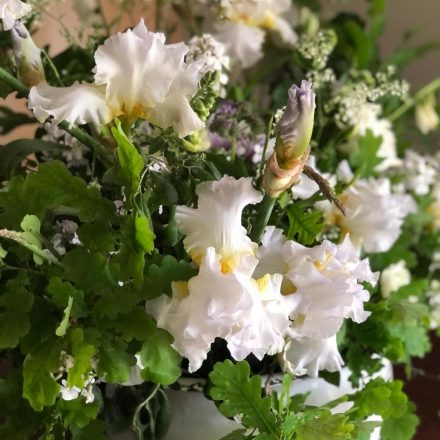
[(137, 76), (12, 10)]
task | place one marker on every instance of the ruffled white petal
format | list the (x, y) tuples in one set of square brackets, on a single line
[(137, 69), (309, 356), (327, 278), (216, 222), (374, 215), (76, 104), (176, 110), (284, 28), (12, 10), (252, 316), (243, 43)]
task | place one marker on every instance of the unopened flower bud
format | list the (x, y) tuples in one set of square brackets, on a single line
[(197, 141), (427, 118), (294, 131), (27, 56)]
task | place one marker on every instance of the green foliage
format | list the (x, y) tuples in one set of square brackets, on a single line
[(15, 305), (364, 159), (241, 394), (13, 153), (305, 225), (205, 98), (39, 386)]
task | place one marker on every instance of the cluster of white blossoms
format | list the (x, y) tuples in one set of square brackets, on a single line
[(255, 298), (420, 172), (244, 24), (137, 76)]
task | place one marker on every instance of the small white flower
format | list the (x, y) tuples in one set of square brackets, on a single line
[(419, 172), (69, 393), (210, 51), (394, 277), (137, 76), (374, 215), (368, 118), (309, 356), (217, 220), (12, 10)]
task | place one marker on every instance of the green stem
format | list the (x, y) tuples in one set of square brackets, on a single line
[(13, 82), (266, 143), (419, 96), (233, 147), (264, 212), (76, 132), (53, 68)]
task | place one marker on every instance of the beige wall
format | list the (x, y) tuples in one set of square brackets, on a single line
[(402, 15)]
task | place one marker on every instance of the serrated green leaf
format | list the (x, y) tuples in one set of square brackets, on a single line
[(130, 161), (402, 428), (159, 276), (304, 226), (62, 328), (241, 395), (15, 305), (39, 386), (160, 361), (324, 427), (52, 187), (31, 226)]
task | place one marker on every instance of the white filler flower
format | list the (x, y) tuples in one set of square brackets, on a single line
[(394, 277), (12, 10), (136, 76)]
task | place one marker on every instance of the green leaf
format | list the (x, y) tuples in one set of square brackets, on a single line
[(115, 364), (3, 253), (13, 153), (160, 361), (326, 426), (62, 291), (241, 395), (10, 120), (94, 430), (15, 305), (31, 226), (62, 328), (238, 434), (364, 160), (130, 161), (415, 339), (382, 398), (304, 225), (39, 385), (144, 235), (52, 188), (402, 428), (159, 276), (82, 353), (78, 413)]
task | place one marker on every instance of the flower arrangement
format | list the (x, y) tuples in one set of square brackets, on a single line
[(244, 204)]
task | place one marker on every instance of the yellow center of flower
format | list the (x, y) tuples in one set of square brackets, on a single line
[(321, 264), (180, 289), (263, 282)]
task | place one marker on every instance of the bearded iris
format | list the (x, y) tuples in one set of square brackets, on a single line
[(137, 76)]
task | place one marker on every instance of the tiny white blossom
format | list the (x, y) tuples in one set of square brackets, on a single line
[(419, 172), (394, 277)]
